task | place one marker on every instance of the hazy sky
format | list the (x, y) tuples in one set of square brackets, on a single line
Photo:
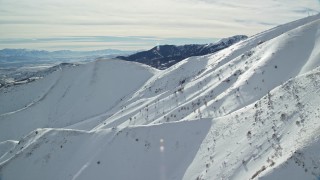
[(138, 24)]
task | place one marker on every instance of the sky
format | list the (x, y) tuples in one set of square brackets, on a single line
[(139, 24)]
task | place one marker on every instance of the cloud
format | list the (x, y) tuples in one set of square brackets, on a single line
[(154, 18)]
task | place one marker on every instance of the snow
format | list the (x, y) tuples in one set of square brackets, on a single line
[(108, 151), (250, 111), (68, 96)]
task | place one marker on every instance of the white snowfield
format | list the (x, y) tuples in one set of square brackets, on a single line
[(251, 111)]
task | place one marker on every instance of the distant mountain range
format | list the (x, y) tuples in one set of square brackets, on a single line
[(21, 57), (60, 53), (164, 56)]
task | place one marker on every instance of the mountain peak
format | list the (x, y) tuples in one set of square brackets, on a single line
[(164, 56)]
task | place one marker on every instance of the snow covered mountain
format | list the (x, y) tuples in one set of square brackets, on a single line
[(250, 111), (164, 56)]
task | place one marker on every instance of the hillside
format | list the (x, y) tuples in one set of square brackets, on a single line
[(164, 56), (250, 111), (68, 95)]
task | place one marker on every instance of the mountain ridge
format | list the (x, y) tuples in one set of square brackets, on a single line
[(164, 56)]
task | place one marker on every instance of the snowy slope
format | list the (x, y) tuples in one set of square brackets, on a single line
[(250, 111), (68, 96), (222, 83)]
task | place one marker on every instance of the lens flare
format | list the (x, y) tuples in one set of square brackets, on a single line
[(161, 145), (162, 161)]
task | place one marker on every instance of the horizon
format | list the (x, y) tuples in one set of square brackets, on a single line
[(149, 43), (83, 26)]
